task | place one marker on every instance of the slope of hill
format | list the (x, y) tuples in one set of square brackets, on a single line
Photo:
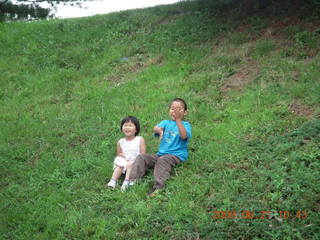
[(250, 74)]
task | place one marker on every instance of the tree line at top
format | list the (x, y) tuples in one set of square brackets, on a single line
[(31, 10)]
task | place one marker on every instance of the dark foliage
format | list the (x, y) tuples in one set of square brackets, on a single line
[(10, 11)]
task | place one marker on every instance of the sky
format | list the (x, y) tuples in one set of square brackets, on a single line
[(91, 8)]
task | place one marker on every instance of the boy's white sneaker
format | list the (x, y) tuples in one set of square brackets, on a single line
[(131, 183), (124, 186), (111, 184)]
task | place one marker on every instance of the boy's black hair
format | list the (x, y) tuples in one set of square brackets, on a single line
[(132, 119), (181, 101)]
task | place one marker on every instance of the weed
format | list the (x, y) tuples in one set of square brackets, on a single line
[(292, 30), (263, 48), (239, 38), (305, 39), (257, 23)]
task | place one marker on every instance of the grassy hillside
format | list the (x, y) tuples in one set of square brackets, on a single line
[(250, 75)]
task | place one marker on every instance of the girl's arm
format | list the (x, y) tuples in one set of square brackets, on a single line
[(143, 148), (119, 150)]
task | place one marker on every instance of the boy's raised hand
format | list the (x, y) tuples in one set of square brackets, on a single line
[(178, 113)]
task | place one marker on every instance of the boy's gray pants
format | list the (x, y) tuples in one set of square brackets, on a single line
[(162, 167)]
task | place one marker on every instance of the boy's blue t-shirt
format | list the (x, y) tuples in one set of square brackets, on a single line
[(171, 143)]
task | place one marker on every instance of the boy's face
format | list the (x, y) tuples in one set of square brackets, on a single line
[(177, 110), (129, 129)]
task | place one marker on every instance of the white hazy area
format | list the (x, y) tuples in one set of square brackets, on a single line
[(94, 7)]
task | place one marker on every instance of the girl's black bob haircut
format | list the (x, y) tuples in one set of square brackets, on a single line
[(132, 119), (181, 101)]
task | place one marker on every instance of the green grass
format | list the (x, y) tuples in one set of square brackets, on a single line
[(253, 104)]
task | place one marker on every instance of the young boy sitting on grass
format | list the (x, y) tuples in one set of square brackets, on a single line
[(174, 136)]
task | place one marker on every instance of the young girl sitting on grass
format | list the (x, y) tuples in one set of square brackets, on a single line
[(128, 148)]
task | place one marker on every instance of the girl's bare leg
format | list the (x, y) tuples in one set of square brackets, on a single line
[(117, 173), (115, 176), (125, 184), (129, 167)]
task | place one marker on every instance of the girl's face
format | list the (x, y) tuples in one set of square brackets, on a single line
[(129, 129)]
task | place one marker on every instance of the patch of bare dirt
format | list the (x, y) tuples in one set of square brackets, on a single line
[(133, 64), (239, 79), (299, 109), (236, 81), (237, 166), (167, 20), (154, 61), (115, 78)]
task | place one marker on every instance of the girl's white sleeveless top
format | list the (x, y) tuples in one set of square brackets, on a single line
[(131, 149)]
